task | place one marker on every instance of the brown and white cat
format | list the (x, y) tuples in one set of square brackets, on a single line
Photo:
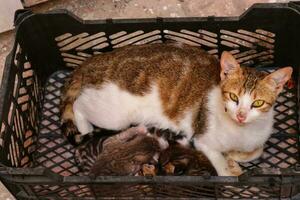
[(222, 106)]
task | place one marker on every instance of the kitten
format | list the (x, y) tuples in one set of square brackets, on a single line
[(120, 154), (178, 160), (222, 106)]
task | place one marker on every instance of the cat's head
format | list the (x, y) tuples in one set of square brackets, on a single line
[(249, 94)]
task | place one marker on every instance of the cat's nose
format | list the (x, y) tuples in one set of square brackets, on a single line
[(241, 117)]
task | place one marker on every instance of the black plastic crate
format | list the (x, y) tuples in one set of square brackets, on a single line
[(38, 163)]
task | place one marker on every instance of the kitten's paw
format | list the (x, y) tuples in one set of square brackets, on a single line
[(242, 157), (184, 142), (163, 143), (142, 129), (148, 170), (71, 132), (234, 167)]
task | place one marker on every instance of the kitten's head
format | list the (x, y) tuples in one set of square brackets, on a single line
[(249, 94)]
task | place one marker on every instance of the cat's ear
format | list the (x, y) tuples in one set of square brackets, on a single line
[(278, 78), (229, 64)]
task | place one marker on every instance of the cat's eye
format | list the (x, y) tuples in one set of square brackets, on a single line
[(233, 97), (258, 103)]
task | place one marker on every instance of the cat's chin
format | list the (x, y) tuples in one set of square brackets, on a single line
[(237, 122), (240, 123)]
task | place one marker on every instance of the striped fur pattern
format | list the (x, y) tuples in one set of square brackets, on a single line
[(174, 160)]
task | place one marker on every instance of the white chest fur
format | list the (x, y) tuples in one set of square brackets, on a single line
[(223, 134), (110, 107)]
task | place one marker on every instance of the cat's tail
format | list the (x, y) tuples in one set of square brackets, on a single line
[(70, 93)]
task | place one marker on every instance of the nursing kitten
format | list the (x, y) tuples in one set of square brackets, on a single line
[(120, 154), (221, 106), (178, 160)]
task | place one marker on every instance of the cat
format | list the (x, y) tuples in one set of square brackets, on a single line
[(224, 109)]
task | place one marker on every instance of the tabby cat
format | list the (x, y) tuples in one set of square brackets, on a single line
[(223, 108)]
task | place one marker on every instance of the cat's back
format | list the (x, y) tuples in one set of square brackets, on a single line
[(135, 67)]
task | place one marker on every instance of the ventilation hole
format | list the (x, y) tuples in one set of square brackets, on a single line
[(71, 39), (73, 61), (67, 55), (86, 55), (27, 65), (11, 157), (92, 43), (201, 31), (27, 74), (137, 38), (29, 82), (62, 37), (213, 51), (97, 52), (11, 110), (156, 42), (17, 151), (234, 52), (237, 41), (101, 46), (149, 40), (13, 153), (17, 54), (71, 65), (23, 99), (17, 126), (264, 58), (181, 40), (263, 32), (28, 134), (24, 161), (126, 37), (80, 41), (229, 44), (245, 53), (2, 128), (202, 36), (116, 35), (189, 37), (16, 85)]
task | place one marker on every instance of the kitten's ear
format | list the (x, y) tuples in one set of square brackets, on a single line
[(278, 78), (229, 64)]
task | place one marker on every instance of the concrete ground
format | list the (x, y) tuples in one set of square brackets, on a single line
[(100, 9)]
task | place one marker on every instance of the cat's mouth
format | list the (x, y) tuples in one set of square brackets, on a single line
[(240, 122)]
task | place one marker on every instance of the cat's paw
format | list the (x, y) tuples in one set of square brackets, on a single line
[(234, 168), (243, 157)]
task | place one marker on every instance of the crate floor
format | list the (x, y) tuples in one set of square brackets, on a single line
[(55, 153)]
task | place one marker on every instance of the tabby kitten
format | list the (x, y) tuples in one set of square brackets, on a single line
[(120, 154), (221, 106)]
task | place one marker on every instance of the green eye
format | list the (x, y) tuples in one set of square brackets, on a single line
[(233, 97), (258, 103)]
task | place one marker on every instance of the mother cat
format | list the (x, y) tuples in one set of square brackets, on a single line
[(221, 106)]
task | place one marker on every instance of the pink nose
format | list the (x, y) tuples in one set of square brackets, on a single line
[(241, 117)]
